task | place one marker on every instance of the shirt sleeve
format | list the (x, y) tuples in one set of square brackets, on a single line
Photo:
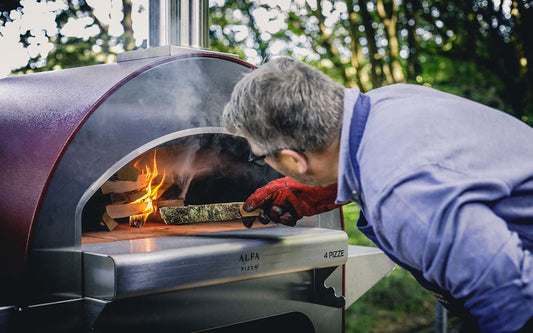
[(439, 221)]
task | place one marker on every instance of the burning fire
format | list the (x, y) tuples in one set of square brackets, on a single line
[(151, 194)]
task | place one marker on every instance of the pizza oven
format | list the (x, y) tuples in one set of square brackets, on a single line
[(89, 154)]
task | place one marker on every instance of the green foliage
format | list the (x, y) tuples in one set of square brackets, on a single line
[(471, 80), (477, 49), (355, 237), (464, 78), (70, 51), (397, 303), (73, 52), (223, 29)]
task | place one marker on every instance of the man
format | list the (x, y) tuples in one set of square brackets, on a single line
[(445, 185)]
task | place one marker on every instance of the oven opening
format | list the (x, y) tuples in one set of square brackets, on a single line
[(193, 170)]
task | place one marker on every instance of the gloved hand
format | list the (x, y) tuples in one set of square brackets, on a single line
[(286, 201)]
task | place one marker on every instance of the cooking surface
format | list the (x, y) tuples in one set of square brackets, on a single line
[(157, 229)]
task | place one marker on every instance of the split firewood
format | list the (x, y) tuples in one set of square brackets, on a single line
[(205, 213), (130, 209), (117, 198), (125, 186), (127, 172), (125, 210), (108, 222), (169, 203)]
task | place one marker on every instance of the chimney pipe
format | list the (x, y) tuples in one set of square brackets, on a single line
[(179, 23), (175, 27)]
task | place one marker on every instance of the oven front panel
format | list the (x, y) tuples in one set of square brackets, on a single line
[(115, 270), (175, 99)]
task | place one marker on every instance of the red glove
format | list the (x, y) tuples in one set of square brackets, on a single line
[(285, 201)]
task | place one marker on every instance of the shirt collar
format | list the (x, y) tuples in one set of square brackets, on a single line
[(348, 185)]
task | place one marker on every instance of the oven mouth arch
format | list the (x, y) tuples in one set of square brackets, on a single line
[(96, 185)]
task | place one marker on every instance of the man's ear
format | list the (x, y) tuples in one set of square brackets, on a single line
[(297, 161)]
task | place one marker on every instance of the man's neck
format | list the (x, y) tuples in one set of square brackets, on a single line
[(325, 163)]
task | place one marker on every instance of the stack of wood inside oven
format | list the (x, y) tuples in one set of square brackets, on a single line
[(116, 200)]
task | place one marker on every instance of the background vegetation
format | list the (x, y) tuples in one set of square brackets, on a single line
[(479, 49)]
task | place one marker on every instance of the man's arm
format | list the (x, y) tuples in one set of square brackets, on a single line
[(286, 201)]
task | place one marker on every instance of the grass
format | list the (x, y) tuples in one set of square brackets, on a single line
[(395, 304)]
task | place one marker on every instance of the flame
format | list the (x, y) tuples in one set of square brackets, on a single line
[(151, 194)]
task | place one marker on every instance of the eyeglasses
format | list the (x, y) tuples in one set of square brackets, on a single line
[(260, 160)]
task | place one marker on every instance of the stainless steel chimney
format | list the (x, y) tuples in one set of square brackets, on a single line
[(179, 22), (175, 27)]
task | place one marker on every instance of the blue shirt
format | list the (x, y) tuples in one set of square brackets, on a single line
[(446, 187)]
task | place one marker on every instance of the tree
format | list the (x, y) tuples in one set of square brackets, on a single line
[(71, 51), (479, 49), (491, 38), (354, 41)]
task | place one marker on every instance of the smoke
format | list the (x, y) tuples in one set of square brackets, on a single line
[(204, 169)]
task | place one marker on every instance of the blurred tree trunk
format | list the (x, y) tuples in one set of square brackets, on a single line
[(356, 54), (523, 18), (412, 13), (327, 42), (370, 33), (128, 40), (388, 13)]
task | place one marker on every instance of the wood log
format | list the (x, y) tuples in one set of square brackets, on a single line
[(169, 203), (205, 213), (108, 222), (117, 198), (130, 209), (125, 210), (125, 186), (127, 172)]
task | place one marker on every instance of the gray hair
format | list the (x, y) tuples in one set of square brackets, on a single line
[(286, 104)]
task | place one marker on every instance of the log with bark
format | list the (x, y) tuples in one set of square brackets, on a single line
[(205, 213), (108, 222)]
